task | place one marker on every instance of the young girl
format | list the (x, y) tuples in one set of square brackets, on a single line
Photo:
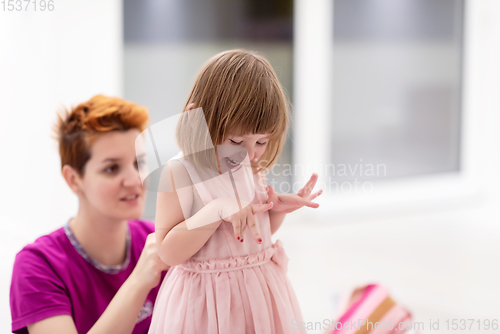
[(223, 281)]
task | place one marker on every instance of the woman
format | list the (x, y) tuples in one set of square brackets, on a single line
[(100, 273)]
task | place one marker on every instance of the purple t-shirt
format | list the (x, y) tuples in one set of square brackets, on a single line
[(54, 276)]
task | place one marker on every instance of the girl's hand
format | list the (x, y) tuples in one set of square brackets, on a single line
[(245, 217), (286, 203)]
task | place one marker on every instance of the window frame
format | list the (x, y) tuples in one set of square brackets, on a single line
[(402, 196)]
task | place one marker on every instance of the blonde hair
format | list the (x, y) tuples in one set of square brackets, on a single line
[(240, 94)]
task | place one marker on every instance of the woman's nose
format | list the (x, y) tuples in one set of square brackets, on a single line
[(132, 178)]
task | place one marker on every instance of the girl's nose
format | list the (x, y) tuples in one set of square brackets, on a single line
[(251, 154), (241, 155)]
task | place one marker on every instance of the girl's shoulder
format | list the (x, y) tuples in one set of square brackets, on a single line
[(181, 172)]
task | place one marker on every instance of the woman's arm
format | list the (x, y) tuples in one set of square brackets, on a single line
[(119, 317), (176, 243), (121, 314), (59, 324)]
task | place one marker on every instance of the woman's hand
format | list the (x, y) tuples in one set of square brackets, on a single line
[(147, 271), (286, 203), (245, 217)]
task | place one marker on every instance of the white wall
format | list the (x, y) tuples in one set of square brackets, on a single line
[(47, 60), (68, 55)]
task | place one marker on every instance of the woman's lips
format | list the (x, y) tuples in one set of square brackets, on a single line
[(131, 200)]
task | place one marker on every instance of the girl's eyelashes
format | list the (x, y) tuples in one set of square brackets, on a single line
[(237, 143)]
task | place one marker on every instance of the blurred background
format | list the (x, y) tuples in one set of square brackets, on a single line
[(395, 105)]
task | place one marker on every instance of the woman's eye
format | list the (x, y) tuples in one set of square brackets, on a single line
[(140, 163), (111, 169), (232, 141), (262, 143)]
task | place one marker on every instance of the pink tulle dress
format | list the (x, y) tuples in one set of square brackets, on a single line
[(228, 286)]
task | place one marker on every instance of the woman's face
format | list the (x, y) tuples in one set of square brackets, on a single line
[(111, 184)]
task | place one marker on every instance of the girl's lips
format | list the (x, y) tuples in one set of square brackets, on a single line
[(230, 166)]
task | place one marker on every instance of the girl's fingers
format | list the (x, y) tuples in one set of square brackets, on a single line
[(305, 202), (254, 228), (270, 194), (243, 228), (312, 204), (306, 190), (236, 227), (316, 194), (269, 190), (257, 208)]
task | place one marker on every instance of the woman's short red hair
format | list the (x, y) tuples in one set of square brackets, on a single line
[(77, 129)]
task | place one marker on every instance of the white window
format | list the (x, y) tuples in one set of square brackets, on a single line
[(388, 88)]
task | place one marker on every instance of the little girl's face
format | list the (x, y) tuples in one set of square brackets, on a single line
[(255, 144)]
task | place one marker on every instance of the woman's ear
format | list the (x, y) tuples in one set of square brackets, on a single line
[(72, 178), (190, 106)]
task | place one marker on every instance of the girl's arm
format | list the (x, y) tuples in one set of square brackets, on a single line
[(275, 218), (175, 243)]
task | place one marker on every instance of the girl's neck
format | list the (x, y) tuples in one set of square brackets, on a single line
[(102, 237)]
